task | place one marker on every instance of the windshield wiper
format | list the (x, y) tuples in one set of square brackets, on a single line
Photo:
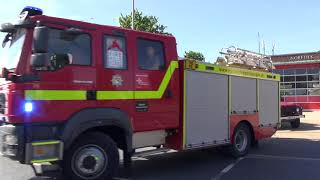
[(6, 39)]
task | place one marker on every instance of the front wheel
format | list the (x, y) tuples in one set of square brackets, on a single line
[(94, 156), (241, 141), (296, 123)]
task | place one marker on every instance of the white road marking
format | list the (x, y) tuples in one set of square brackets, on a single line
[(226, 169), (281, 157), (137, 158)]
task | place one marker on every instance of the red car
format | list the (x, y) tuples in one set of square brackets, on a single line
[(292, 113)]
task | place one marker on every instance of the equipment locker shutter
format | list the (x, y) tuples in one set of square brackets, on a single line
[(206, 98), (269, 105), (243, 94)]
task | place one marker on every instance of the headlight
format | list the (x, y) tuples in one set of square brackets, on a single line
[(10, 139), (298, 109)]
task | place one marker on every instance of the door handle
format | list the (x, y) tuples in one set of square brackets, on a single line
[(168, 93)]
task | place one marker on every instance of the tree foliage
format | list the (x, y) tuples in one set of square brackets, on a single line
[(194, 55), (143, 23)]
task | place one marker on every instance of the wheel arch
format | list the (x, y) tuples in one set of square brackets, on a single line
[(111, 121), (247, 123)]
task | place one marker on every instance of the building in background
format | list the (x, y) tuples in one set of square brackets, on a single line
[(299, 78)]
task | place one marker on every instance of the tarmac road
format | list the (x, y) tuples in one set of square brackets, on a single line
[(290, 154)]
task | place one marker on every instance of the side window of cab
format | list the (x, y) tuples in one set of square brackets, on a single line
[(76, 47), (150, 55), (115, 55)]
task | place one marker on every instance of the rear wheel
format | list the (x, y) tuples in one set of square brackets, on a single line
[(93, 156), (296, 123), (241, 141)]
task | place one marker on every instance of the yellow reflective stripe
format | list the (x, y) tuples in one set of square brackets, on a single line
[(45, 143), (112, 95), (44, 160), (229, 96), (258, 94), (55, 95), (184, 138), (104, 95), (204, 67), (279, 104)]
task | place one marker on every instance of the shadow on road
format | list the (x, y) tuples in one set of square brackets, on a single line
[(302, 148), (205, 164), (200, 164), (286, 158), (191, 165), (303, 127)]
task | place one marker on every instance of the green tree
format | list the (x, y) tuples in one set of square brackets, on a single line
[(143, 23), (194, 55)]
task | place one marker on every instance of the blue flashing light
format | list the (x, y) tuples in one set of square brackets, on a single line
[(28, 107), (32, 10)]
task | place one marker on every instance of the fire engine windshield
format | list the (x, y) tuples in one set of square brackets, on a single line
[(11, 49)]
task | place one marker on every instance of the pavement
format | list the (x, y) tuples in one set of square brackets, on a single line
[(290, 154)]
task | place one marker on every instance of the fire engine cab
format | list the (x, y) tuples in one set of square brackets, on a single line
[(75, 92)]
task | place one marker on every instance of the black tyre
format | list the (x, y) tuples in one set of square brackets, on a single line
[(93, 156), (296, 123), (241, 141)]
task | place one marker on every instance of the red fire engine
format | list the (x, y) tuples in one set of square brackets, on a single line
[(76, 92)]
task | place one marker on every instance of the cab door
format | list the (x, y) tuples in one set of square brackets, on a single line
[(115, 82), (156, 83)]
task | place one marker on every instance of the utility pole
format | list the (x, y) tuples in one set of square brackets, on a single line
[(133, 14), (273, 47), (259, 43)]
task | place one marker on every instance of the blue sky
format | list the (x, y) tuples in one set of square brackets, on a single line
[(203, 25)]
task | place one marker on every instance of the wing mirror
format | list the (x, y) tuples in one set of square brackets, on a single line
[(40, 61), (40, 39)]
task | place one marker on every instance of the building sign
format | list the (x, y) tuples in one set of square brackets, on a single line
[(291, 58), (302, 57)]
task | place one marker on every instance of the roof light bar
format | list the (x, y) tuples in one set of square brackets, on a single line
[(32, 11)]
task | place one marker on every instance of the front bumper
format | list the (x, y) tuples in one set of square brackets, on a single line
[(31, 143), (291, 118), (12, 141)]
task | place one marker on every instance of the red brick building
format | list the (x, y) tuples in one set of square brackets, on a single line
[(300, 78)]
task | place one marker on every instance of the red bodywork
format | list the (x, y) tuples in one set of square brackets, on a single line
[(164, 113), (259, 132)]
